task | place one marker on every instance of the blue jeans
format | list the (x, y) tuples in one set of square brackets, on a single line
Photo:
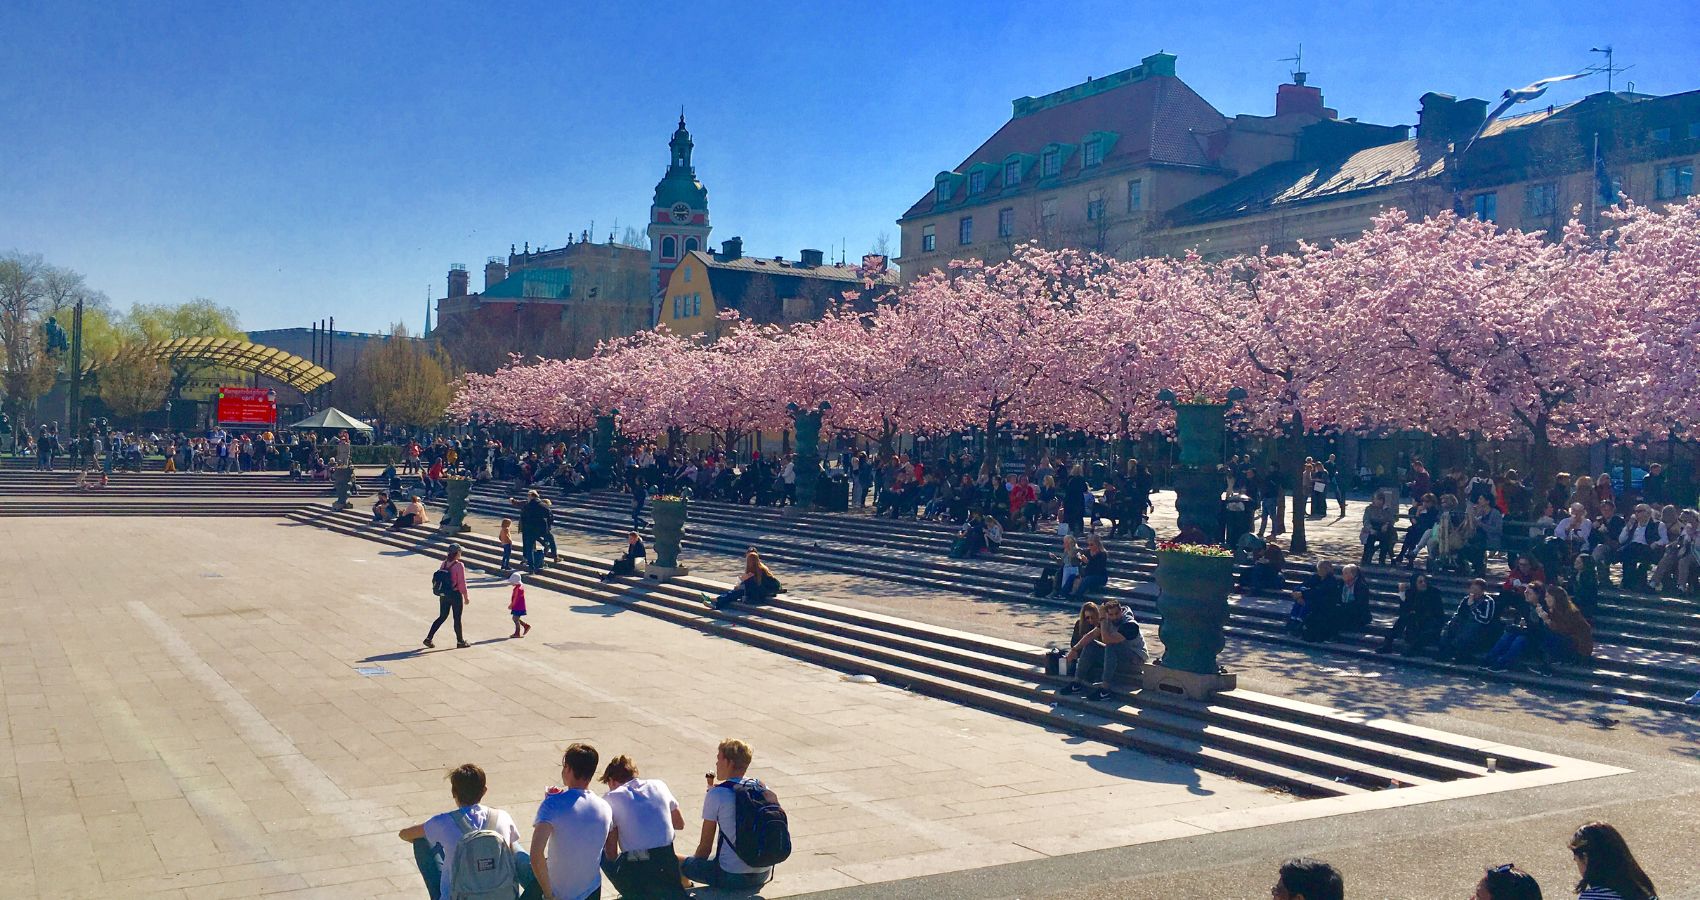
[(507, 556), (431, 869), (708, 871)]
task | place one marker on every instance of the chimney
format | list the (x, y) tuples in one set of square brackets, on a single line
[(732, 248), (457, 280), (812, 258), (1445, 119), (494, 272), (1300, 98)]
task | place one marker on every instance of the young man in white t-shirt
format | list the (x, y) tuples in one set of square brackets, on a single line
[(434, 841), (571, 829), (719, 817), (645, 819)]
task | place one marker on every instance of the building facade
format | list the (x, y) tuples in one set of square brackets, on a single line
[(678, 215), (764, 290), (1139, 164)]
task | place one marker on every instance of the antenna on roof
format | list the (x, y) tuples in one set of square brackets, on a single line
[(1608, 69), (1298, 60)]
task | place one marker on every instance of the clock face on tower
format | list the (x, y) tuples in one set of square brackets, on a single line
[(681, 213)]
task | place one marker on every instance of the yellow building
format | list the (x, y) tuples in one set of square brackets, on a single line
[(765, 290)]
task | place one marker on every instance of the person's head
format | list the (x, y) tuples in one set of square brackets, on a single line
[(467, 784), (1094, 545), (1478, 587), (1603, 860), (620, 770), (1656, 469), (1069, 543), (1559, 598), (1561, 478), (1534, 593), (1428, 500), (1578, 511), (1310, 879), (752, 562), (1089, 613), (1643, 513), (1379, 501), (1324, 568), (1604, 480), (516, 579), (1608, 508), (531, 495), (578, 765), (1448, 501), (732, 759), (1350, 573), (1525, 563), (1482, 502), (413, 499), (1112, 611), (454, 553), (632, 538), (1507, 882), (1420, 582), (507, 522)]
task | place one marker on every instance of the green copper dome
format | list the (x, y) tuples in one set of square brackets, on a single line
[(680, 184)]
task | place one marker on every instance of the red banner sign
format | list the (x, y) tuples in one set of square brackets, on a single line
[(247, 406)]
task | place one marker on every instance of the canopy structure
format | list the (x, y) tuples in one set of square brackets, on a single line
[(332, 419), (279, 365)]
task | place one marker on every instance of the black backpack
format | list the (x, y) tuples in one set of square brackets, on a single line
[(763, 836), (442, 583)]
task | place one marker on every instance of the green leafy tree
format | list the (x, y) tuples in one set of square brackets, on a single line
[(403, 381), (199, 317), (132, 385)]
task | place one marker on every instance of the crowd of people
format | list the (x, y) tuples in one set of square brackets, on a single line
[(626, 834)]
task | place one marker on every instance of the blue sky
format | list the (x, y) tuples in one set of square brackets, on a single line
[(299, 160)]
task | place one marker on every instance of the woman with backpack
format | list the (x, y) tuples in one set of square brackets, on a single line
[(449, 584)]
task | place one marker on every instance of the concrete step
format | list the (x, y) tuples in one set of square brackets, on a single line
[(1005, 669), (1620, 678)]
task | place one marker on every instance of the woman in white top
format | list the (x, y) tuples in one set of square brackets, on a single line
[(639, 857)]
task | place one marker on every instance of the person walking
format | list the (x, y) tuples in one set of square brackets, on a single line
[(450, 586), (516, 606)]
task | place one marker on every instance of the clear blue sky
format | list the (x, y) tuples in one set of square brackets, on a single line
[(298, 160)]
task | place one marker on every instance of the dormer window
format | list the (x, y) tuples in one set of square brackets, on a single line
[(1050, 163), (941, 191), (1012, 173), (1092, 154), (977, 181)]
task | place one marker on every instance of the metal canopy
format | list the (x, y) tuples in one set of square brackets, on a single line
[(279, 365)]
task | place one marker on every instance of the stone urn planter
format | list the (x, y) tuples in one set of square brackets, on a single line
[(342, 480), (669, 530), (456, 490), (1195, 581)]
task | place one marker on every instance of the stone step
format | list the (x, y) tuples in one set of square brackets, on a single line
[(999, 666)]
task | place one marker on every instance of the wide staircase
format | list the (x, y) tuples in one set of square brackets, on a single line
[(31, 493), (1298, 748), (1647, 653)]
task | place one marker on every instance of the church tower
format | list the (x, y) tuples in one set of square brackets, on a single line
[(678, 219)]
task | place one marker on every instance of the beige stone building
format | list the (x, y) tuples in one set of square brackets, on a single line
[(1138, 164)]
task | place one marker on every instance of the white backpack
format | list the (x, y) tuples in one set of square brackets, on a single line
[(483, 864)]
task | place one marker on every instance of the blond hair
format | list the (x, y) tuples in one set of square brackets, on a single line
[(736, 753)]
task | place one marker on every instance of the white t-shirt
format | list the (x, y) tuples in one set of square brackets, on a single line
[(643, 814), (580, 821), (721, 808), (443, 834)]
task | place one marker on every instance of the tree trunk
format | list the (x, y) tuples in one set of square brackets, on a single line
[(1301, 491)]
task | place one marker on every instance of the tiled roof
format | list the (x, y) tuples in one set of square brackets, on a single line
[(791, 268), (1156, 119), (1287, 183)]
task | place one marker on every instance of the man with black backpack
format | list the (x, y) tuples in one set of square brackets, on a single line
[(473, 850), (743, 826)]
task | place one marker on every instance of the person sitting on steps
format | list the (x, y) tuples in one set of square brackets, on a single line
[(1115, 646), (627, 563), (758, 585)]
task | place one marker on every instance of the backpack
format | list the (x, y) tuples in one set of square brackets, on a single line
[(763, 836), (483, 864), (442, 583)]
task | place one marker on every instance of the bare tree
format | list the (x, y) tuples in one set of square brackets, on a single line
[(28, 368), (404, 381), (633, 237)]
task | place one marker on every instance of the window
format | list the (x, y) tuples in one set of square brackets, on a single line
[(696, 304), (1050, 164), (687, 274), (690, 244), (1048, 213), (678, 307), (965, 230), (1136, 195), (943, 191), (669, 247), (1093, 153), (1006, 221), (929, 241), (1012, 173), (1675, 181), (976, 181), (1485, 206), (1540, 200), (1661, 135), (1094, 206)]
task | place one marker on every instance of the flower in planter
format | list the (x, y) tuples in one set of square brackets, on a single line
[(1210, 550)]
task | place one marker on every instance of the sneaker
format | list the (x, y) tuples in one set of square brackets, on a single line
[(1099, 694), (428, 644), (462, 645), (1073, 687)]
